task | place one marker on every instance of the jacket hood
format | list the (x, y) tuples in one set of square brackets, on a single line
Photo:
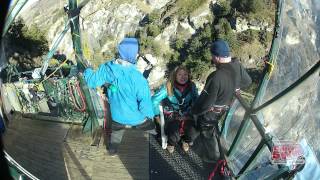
[(128, 49)]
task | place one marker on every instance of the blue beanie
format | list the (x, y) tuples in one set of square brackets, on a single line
[(220, 48), (128, 49)]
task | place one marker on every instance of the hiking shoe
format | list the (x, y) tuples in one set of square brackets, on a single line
[(170, 149), (185, 147), (112, 152)]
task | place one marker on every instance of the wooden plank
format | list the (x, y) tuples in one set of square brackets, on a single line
[(52, 150)]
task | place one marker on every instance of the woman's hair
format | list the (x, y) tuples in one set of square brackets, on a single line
[(172, 78)]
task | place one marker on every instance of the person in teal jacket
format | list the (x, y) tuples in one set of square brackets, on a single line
[(177, 96), (128, 91)]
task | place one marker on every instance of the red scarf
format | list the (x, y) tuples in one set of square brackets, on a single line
[(181, 87)]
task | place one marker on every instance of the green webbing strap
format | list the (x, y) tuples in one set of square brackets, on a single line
[(75, 32)]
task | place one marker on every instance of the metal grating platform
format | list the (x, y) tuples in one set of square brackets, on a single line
[(179, 165)]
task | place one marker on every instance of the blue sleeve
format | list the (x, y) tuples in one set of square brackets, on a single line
[(157, 98), (144, 100), (101, 76)]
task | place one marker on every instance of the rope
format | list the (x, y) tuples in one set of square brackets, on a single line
[(53, 72), (83, 108), (221, 161), (107, 129), (104, 112), (181, 128)]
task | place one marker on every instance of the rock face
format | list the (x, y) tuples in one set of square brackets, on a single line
[(202, 16), (157, 72), (243, 25), (157, 4), (168, 32), (108, 26), (104, 23)]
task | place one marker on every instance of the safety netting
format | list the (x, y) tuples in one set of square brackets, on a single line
[(63, 98), (287, 104)]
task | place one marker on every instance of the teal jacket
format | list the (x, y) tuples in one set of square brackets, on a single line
[(162, 94)]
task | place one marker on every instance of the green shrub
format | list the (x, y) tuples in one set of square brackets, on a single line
[(185, 7), (154, 16), (156, 48), (249, 6), (197, 68), (248, 36), (265, 38), (178, 44), (223, 31), (224, 8), (153, 30), (31, 38)]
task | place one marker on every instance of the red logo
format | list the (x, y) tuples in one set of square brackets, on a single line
[(284, 152)]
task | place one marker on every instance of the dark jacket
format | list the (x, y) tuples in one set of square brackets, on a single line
[(221, 85)]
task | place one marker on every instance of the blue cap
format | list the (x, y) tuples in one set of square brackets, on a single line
[(128, 49), (220, 48)]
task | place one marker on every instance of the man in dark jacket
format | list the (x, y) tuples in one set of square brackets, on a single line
[(217, 95)]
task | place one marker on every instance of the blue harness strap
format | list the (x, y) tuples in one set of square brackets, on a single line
[(2, 126)]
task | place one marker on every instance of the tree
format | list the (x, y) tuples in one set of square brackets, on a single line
[(225, 32), (254, 6), (178, 44), (154, 16), (250, 6), (153, 30), (30, 38), (248, 36), (223, 8)]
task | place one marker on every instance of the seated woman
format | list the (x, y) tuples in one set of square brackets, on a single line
[(177, 96)]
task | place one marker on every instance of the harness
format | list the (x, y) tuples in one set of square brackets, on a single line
[(215, 109), (181, 102), (177, 114)]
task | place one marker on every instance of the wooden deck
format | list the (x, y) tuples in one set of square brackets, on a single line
[(57, 151), (52, 150)]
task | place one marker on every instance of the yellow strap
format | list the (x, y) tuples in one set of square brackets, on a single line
[(87, 53), (271, 68), (54, 71), (76, 34)]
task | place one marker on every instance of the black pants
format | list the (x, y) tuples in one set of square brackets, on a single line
[(209, 138), (119, 129), (173, 131)]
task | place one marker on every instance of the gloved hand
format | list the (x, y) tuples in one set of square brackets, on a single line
[(80, 67), (83, 65)]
